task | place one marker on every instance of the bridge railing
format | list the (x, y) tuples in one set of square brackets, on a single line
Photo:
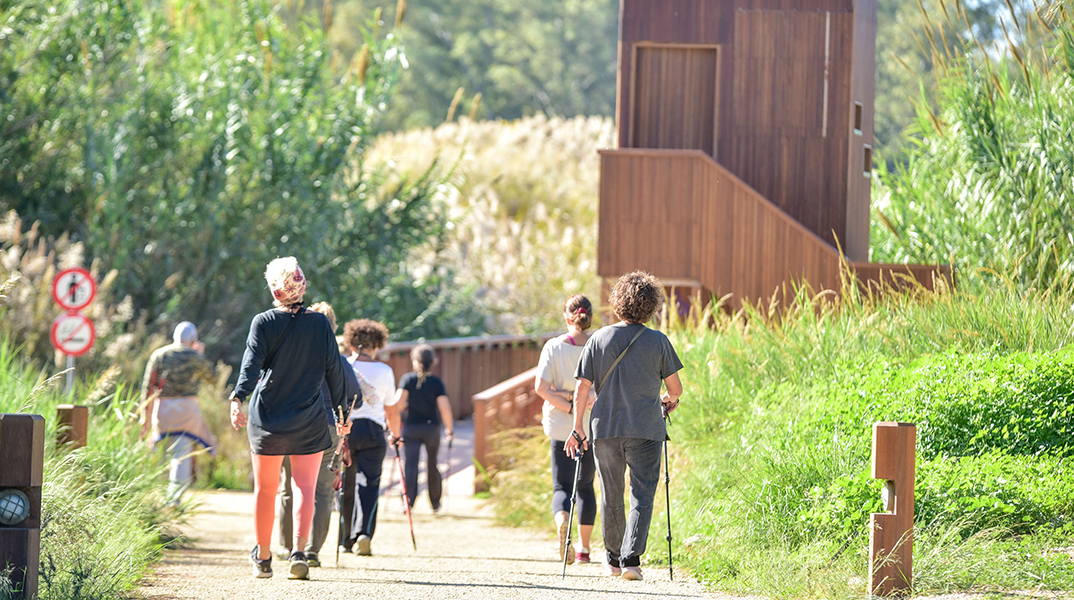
[(506, 405), (469, 365)]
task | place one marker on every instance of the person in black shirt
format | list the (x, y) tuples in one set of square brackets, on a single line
[(289, 352), (423, 398)]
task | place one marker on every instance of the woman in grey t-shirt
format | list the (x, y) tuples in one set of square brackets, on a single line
[(627, 424)]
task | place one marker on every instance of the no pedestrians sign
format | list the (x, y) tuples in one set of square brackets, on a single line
[(74, 289)]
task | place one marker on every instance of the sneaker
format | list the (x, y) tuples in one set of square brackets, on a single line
[(612, 570), (365, 544), (262, 568), (300, 569), (582, 557), (312, 560), (632, 573)]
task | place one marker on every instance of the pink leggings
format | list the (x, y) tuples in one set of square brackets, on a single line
[(304, 468)]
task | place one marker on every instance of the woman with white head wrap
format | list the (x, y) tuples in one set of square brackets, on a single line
[(289, 352)]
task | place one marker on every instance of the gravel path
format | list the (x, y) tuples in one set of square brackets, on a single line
[(461, 554)]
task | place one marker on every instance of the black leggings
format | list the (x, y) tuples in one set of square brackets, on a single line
[(563, 484), (416, 435)]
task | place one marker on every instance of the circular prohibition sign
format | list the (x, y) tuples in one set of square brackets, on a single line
[(73, 334), (74, 289)]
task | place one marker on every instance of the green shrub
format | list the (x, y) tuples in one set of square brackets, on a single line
[(104, 515)]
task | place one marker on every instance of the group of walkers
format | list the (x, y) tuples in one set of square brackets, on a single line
[(313, 405), (317, 414)]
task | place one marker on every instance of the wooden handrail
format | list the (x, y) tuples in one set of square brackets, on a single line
[(506, 405), (483, 341)]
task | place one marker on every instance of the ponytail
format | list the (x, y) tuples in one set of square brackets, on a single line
[(579, 311), (424, 356)]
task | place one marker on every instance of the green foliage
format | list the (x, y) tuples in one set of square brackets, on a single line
[(189, 143), (103, 507), (971, 405), (905, 60), (555, 58), (987, 180), (777, 418)]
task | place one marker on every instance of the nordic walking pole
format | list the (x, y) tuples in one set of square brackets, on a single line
[(406, 499), (667, 490), (570, 518), (339, 538)]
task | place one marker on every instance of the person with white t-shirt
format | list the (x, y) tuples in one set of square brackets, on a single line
[(361, 484), (555, 384)]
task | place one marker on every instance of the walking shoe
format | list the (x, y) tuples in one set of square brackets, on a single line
[(365, 545), (632, 573), (612, 570), (582, 557), (300, 569), (312, 560), (262, 568)]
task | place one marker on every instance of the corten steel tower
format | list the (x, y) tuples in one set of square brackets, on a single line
[(745, 134)]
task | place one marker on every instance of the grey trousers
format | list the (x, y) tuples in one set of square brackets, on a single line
[(322, 502), (625, 535)]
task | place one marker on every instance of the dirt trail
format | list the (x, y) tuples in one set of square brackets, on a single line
[(461, 554)]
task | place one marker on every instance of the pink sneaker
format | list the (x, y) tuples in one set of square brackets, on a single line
[(632, 573), (612, 570), (582, 557)]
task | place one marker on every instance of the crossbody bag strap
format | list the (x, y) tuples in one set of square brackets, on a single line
[(271, 356), (619, 358)]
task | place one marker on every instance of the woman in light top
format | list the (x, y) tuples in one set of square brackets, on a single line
[(555, 383), (366, 443), (423, 396)]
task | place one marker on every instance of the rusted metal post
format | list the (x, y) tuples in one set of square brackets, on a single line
[(72, 425), (22, 456), (891, 534)]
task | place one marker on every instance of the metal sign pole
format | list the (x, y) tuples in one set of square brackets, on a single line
[(70, 389)]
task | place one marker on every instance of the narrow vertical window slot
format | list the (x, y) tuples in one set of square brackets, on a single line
[(867, 166), (857, 118)]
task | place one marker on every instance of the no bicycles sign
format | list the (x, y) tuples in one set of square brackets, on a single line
[(73, 334), (74, 289)]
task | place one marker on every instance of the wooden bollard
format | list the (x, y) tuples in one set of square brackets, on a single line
[(72, 425), (891, 534), (22, 458)]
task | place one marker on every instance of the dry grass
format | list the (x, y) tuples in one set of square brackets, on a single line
[(523, 196)]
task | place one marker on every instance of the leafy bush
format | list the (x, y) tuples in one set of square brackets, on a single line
[(986, 175), (104, 515), (187, 144)]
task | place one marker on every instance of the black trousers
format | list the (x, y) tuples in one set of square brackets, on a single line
[(361, 482), (416, 435)]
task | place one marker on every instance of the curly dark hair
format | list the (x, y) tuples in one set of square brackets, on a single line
[(637, 297), (364, 333), (579, 310)]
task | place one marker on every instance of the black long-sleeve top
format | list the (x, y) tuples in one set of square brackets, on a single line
[(287, 414)]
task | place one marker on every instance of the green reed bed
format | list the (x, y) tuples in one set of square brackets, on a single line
[(774, 440), (104, 518), (771, 487)]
